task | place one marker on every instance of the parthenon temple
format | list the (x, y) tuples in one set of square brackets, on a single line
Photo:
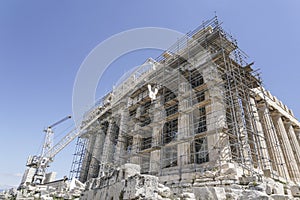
[(198, 116)]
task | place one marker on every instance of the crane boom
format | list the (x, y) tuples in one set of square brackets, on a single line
[(60, 121), (36, 173), (69, 138), (49, 136)]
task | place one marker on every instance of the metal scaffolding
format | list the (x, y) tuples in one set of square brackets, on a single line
[(202, 116), (78, 157)]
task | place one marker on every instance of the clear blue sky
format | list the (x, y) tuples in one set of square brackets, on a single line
[(43, 43)]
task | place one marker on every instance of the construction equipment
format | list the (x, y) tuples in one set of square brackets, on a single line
[(49, 136), (37, 164), (35, 174)]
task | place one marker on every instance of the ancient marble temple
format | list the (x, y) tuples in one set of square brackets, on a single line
[(197, 115)]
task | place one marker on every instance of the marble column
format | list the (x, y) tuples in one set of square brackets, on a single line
[(155, 155), (120, 147), (244, 139), (297, 132), (136, 146), (97, 153), (87, 158), (108, 146), (275, 151), (183, 149), (261, 140), (286, 146), (217, 141), (295, 146)]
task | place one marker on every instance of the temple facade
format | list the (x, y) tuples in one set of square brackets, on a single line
[(199, 115)]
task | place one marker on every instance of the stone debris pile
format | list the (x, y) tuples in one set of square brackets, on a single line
[(61, 189), (126, 182)]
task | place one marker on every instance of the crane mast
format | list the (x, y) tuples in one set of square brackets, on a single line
[(48, 143), (39, 163)]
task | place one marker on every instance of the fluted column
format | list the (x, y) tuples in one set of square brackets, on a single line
[(297, 132), (87, 158), (295, 145), (136, 146), (218, 142), (97, 153), (122, 137), (107, 148), (262, 145), (156, 136), (183, 149), (275, 151), (240, 113), (286, 147)]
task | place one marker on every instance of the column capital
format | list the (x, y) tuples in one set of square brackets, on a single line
[(261, 106), (276, 114), (287, 122)]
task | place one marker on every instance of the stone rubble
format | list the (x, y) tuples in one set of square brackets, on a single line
[(62, 190), (126, 183)]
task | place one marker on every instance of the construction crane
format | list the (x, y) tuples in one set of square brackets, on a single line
[(37, 165), (48, 144)]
